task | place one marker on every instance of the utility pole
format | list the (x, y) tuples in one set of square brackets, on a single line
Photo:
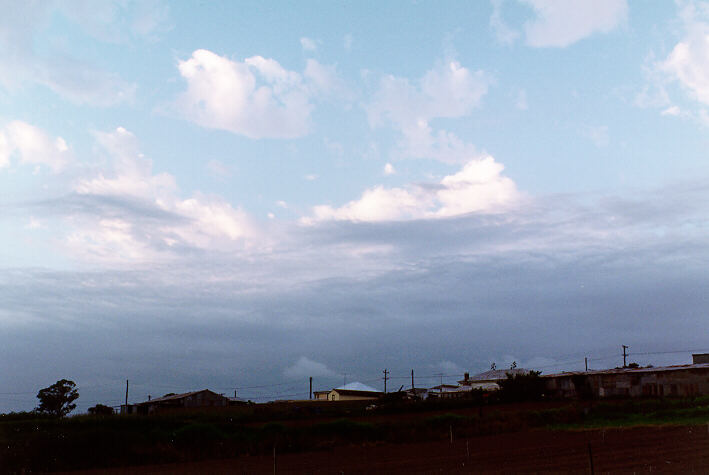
[(412, 382), (385, 379), (625, 347), (311, 387), (585, 360), (126, 396)]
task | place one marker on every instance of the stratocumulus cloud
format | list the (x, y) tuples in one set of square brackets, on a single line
[(566, 270)]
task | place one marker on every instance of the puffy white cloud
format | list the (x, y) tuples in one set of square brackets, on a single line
[(688, 63), (420, 141), (478, 187), (562, 23), (305, 367), (323, 80), (447, 91), (157, 220), (378, 204), (256, 97), (389, 169), (33, 146)]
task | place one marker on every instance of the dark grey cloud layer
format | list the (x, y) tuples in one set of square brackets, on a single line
[(562, 278)]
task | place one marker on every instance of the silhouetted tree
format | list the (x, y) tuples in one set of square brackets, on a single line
[(58, 398), (522, 387)]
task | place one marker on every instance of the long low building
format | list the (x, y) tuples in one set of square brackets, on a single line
[(678, 380), (350, 392), (195, 399)]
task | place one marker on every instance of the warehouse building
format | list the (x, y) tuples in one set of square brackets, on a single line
[(678, 380)]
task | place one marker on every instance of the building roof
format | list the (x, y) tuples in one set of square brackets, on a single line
[(174, 397), (495, 375), (357, 386), (656, 369)]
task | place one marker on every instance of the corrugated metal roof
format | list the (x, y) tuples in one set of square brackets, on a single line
[(357, 386), (497, 374), (656, 369), (173, 397)]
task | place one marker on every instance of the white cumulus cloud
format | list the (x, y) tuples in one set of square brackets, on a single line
[(33, 146), (560, 23), (449, 90), (157, 218), (256, 97), (478, 187), (688, 63)]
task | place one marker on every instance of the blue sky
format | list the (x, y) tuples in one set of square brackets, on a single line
[(233, 194)]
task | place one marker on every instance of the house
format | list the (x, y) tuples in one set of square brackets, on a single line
[(417, 393), (194, 399), (678, 380), (448, 391), (488, 380), (350, 392)]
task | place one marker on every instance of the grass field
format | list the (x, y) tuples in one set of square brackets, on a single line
[(33, 443)]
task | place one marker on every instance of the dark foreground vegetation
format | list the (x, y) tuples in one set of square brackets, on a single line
[(32, 442)]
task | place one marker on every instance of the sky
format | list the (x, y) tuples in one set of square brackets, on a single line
[(238, 195)]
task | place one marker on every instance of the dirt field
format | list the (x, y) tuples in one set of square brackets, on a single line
[(647, 449)]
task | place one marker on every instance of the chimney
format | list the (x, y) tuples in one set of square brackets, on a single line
[(148, 397), (466, 376)]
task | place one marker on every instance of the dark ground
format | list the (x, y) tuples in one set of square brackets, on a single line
[(667, 449)]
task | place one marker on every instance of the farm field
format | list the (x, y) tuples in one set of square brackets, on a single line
[(673, 449)]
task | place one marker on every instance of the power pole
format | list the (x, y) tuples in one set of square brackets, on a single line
[(126, 396), (412, 382), (624, 355), (585, 360), (385, 379), (311, 387)]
